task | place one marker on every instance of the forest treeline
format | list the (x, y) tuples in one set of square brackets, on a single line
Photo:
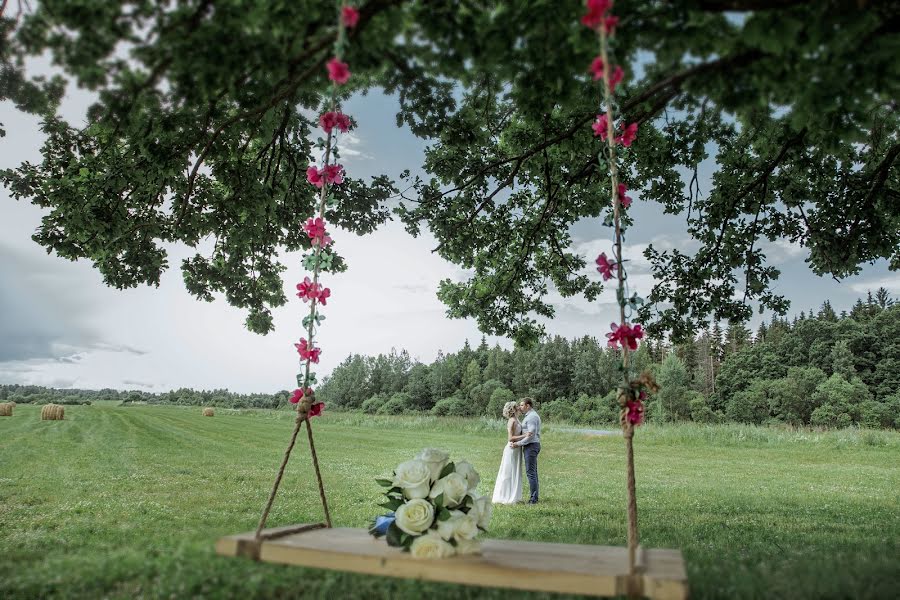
[(821, 368)]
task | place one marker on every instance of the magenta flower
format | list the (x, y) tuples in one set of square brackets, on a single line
[(615, 78), (343, 122), (330, 120), (634, 412), (315, 229), (338, 71), (316, 409), (314, 355), (307, 290), (605, 267), (324, 294), (601, 126), (314, 176), (334, 174), (628, 136), (597, 68), (624, 200), (349, 17), (610, 23), (625, 335), (307, 351), (596, 10), (298, 395)]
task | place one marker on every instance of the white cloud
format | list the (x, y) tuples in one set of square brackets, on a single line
[(891, 283)]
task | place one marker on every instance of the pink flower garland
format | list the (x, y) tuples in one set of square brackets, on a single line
[(622, 334), (310, 290)]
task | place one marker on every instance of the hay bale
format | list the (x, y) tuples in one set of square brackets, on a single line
[(6, 409), (208, 412), (52, 412)]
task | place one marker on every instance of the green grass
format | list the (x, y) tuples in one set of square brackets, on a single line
[(128, 502)]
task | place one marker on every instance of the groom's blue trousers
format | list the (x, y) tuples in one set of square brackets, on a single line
[(531, 454)]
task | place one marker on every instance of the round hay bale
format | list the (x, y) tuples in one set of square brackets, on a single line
[(52, 412), (208, 412), (6, 409)]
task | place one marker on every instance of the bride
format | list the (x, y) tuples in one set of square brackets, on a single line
[(508, 489)]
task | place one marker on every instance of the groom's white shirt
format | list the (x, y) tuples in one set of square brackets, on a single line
[(531, 423)]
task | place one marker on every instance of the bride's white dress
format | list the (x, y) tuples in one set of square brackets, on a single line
[(508, 489)]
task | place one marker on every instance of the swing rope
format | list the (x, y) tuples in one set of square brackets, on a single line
[(627, 426), (307, 395)]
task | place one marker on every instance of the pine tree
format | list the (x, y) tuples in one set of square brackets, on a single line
[(842, 360), (827, 313), (883, 298)]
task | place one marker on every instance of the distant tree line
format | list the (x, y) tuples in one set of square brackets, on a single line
[(821, 369), (33, 394)]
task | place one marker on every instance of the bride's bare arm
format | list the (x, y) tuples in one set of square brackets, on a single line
[(509, 432)]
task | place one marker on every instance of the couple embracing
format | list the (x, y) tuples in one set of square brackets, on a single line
[(524, 441)]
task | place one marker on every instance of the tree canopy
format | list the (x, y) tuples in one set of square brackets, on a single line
[(206, 117)]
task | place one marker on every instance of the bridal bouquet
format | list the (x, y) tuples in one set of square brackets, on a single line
[(436, 512)]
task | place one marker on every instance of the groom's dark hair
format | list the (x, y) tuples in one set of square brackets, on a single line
[(528, 401)]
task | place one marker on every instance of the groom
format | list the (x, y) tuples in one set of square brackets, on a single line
[(531, 427)]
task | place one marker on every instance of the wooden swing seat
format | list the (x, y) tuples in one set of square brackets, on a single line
[(536, 566)]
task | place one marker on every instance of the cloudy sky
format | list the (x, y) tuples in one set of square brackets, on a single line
[(60, 326)]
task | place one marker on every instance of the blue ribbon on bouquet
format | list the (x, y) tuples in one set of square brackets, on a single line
[(381, 524)]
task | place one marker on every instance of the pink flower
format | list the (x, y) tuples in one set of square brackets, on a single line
[(307, 351), (615, 78), (624, 334), (316, 409), (628, 136), (314, 176), (307, 290), (597, 68), (596, 9), (605, 267), (334, 174), (349, 16), (330, 120), (634, 411), (314, 354), (315, 229), (601, 126), (610, 23), (343, 122), (324, 294), (624, 200), (338, 71), (298, 395)]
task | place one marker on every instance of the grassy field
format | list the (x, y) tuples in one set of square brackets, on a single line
[(128, 502)]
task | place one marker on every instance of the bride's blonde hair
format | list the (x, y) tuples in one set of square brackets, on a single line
[(509, 409)]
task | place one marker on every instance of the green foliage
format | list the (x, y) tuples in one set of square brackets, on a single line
[(374, 404), (181, 146), (560, 409), (396, 405), (674, 395), (498, 400), (454, 406)]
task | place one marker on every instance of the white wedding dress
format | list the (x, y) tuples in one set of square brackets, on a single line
[(508, 489)]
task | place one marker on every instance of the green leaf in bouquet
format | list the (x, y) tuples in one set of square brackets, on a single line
[(392, 504), (404, 538), (393, 535), (312, 377), (448, 468), (439, 502), (309, 261), (325, 259), (385, 482), (443, 514)]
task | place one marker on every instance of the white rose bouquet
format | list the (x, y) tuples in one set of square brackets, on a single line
[(436, 511)]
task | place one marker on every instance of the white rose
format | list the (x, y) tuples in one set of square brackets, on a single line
[(415, 516), (414, 478), (468, 471), (453, 487), (459, 526), (431, 545), (483, 510), (435, 459), (468, 547)]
